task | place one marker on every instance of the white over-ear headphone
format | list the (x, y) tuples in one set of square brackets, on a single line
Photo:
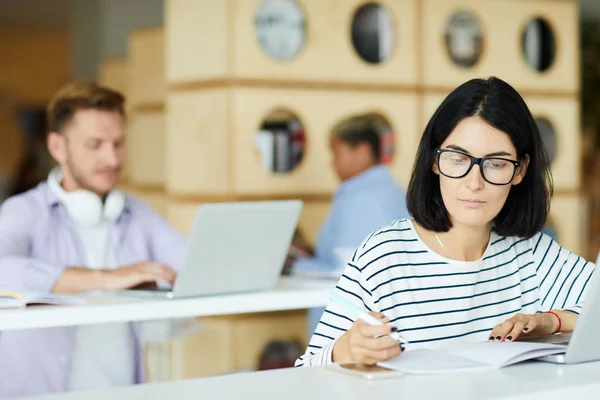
[(84, 207)]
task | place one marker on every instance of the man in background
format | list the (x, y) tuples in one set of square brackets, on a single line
[(367, 199), (76, 232)]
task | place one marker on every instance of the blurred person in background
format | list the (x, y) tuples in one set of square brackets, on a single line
[(76, 232), (367, 199)]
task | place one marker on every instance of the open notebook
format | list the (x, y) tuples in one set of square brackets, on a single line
[(469, 356), (22, 299)]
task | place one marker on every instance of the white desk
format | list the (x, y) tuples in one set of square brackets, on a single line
[(291, 294), (528, 381)]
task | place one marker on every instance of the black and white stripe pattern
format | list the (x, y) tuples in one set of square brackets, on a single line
[(433, 300)]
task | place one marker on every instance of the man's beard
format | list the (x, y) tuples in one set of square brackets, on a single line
[(81, 181)]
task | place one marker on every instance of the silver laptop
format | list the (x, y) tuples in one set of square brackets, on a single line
[(582, 344), (234, 247)]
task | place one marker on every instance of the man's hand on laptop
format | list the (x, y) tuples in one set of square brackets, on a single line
[(137, 274), (77, 279)]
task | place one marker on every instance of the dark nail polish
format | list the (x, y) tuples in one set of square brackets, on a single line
[(525, 330), (491, 338), (509, 337), (401, 347), (394, 329), (498, 337)]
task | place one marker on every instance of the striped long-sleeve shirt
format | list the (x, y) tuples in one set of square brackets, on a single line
[(433, 300)]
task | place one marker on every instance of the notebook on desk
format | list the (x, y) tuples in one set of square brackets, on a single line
[(12, 299), (234, 247), (469, 356), (578, 347)]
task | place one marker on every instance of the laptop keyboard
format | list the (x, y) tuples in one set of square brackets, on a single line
[(152, 287)]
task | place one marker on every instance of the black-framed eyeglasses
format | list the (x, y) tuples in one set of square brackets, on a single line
[(495, 170)]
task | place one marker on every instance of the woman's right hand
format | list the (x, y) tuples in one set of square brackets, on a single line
[(360, 344)]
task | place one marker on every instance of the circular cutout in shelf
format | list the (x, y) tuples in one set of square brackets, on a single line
[(280, 142), (372, 129), (548, 134), (373, 33), (539, 44), (464, 39), (280, 28)]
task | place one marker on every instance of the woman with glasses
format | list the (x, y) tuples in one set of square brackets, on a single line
[(472, 263)]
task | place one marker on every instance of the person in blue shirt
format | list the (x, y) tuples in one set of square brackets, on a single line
[(367, 199)]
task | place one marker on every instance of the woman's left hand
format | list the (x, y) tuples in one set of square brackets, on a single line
[(524, 324)]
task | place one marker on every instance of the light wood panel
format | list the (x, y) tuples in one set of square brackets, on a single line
[(503, 23), (211, 138), (198, 39), (114, 73), (198, 154), (563, 114), (570, 216), (223, 345), (146, 149), (181, 215), (146, 52), (312, 219), (157, 200), (209, 40)]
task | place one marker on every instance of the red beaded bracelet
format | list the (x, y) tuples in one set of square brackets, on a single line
[(559, 320)]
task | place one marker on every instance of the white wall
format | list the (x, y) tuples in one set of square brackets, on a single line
[(100, 29)]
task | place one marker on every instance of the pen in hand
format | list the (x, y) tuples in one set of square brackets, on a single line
[(366, 317)]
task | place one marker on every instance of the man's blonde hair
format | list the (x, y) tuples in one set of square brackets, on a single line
[(81, 95)]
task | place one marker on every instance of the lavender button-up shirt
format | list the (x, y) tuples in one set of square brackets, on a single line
[(37, 242)]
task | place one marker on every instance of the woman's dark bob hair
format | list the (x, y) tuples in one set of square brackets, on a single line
[(500, 105)]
